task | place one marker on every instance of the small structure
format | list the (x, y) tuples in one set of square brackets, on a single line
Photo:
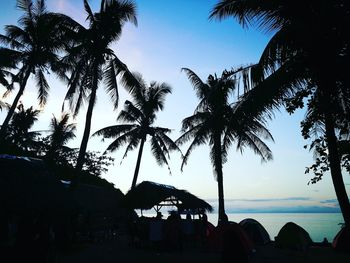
[(170, 233), (148, 195)]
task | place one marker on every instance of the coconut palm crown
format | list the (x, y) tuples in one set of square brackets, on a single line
[(138, 117)]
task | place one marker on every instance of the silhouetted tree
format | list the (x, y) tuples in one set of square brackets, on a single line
[(90, 60), (34, 45), (308, 53), (61, 131), (18, 138), (138, 118), (7, 63), (216, 122)]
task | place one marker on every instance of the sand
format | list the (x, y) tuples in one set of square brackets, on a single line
[(119, 251)]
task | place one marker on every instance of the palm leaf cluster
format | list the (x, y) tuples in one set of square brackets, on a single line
[(19, 137), (137, 118), (90, 59)]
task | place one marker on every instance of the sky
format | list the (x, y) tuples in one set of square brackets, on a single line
[(171, 35)]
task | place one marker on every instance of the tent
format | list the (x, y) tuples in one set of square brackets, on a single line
[(255, 231), (229, 232), (293, 236), (341, 241), (148, 194)]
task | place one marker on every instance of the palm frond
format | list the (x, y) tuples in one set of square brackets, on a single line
[(131, 113), (111, 83), (88, 10), (262, 14), (256, 144), (129, 137), (196, 82), (10, 41), (43, 86), (168, 142), (131, 82), (114, 130), (133, 142), (160, 152)]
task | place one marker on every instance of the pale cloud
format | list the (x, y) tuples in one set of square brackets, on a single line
[(72, 8), (280, 205)]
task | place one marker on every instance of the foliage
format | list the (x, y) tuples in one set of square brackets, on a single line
[(18, 137), (138, 117), (20, 140), (32, 46), (89, 60), (96, 164)]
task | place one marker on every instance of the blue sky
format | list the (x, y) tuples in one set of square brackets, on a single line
[(175, 34)]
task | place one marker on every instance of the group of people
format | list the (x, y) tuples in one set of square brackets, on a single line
[(29, 237), (169, 234)]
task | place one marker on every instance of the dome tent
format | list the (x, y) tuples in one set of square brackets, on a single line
[(221, 232), (341, 241), (293, 236), (255, 231)]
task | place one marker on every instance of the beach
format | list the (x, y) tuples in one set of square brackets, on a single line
[(119, 251)]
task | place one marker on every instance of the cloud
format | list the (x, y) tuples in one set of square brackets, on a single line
[(329, 201), (74, 9), (279, 209), (273, 199), (280, 205)]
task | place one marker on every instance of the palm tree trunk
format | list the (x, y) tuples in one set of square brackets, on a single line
[(137, 168), (327, 94), (219, 177), (336, 174), (13, 106), (86, 135)]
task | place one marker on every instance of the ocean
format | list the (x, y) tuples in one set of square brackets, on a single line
[(318, 225)]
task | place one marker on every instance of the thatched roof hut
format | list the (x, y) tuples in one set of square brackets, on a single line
[(147, 195)]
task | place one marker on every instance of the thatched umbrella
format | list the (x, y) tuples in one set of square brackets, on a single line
[(149, 194)]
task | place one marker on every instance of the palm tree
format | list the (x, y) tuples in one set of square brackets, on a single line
[(308, 52), (90, 60), (61, 131), (34, 45), (138, 117), (7, 63), (215, 121), (19, 139)]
